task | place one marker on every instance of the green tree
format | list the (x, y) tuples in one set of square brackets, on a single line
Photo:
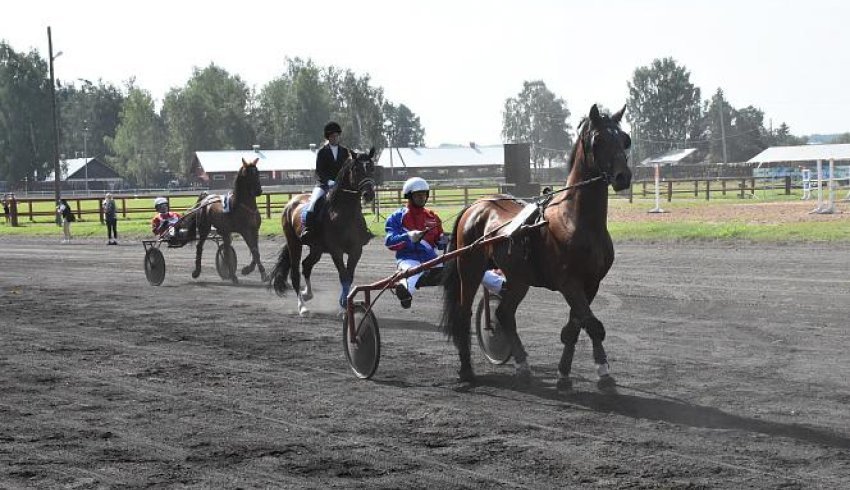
[(357, 106), (743, 130), (138, 142), (26, 132), (782, 136), (404, 126), (294, 107), (88, 117), (842, 138), (537, 116), (663, 108), (210, 113)]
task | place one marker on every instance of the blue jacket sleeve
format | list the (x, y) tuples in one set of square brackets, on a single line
[(397, 237)]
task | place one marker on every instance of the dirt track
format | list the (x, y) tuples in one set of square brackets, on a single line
[(733, 363)]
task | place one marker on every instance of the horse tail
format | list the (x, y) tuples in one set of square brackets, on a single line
[(280, 271), (451, 322)]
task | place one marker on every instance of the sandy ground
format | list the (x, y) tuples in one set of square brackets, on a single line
[(733, 363), (751, 211)]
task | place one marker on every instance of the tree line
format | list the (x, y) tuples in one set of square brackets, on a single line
[(217, 110), (214, 110), (665, 111)]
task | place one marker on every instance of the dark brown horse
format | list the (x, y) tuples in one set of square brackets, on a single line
[(571, 254), (243, 217), (342, 231)]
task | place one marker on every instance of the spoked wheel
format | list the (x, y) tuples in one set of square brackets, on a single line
[(363, 356), (154, 266), (225, 262), (493, 342)]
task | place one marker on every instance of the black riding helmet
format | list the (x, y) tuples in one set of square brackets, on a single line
[(332, 127)]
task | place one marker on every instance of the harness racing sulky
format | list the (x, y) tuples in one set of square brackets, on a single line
[(560, 242)]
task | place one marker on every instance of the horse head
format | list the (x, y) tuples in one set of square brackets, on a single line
[(356, 174), (605, 148), (248, 179)]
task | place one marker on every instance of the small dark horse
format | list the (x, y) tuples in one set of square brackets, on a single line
[(571, 255), (243, 217), (342, 231)]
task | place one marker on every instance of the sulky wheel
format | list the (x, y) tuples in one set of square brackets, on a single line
[(363, 356), (491, 339), (154, 266), (225, 262)]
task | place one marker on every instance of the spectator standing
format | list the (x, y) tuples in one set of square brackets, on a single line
[(63, 209), (111, 218)]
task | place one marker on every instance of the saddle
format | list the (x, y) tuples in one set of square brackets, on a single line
[(318, 211)]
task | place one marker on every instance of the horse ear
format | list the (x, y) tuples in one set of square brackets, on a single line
[(244, 163), (618, 115), (254, 163), (595, 118), (371, 153)]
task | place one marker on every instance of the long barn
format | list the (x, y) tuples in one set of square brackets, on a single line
[(296, 167)]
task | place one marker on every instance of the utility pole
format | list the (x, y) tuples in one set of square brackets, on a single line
[(57, 174), (85, 152), (723, 129)]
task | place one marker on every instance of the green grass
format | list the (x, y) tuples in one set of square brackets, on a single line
[(134, 229)]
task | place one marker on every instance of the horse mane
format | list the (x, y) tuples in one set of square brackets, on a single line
[(352, 157)]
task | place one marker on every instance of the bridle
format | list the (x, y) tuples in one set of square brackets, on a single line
[(361, 185)]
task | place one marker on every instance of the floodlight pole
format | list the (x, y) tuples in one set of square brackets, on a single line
[(56, 171)]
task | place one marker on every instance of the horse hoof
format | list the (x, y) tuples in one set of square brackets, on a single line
[(304, 312), (523, 374), (565, 385), (607, 384), (195, 274), (466, 376)]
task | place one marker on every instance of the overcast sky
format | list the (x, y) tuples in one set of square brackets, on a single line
[(455, 62)]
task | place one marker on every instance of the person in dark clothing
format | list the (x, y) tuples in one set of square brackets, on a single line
[(111, 218), (329, 161), (64, 211)]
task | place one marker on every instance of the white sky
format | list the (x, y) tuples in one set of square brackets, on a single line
[(455, 62)]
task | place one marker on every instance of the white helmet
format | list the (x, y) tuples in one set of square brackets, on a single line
[(160, 201), (414, 184)]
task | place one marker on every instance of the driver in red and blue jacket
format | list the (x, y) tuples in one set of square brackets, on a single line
[(415, 233)]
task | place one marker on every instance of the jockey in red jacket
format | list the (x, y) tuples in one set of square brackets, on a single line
[(415, 233), (163, 218)]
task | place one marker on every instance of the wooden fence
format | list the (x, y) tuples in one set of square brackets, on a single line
[(271, 203)]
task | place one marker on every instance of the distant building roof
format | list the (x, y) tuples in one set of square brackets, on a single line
[(441, 157), (284, 160), (671, 157), (276, 160), (802, 153), (69, 167)]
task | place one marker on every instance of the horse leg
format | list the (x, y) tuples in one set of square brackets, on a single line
[(295, 277), (351, 266), (581, 317), (252, 240), (506, 316), (344, 279), (308, 264), (227, 241), (203, 232)]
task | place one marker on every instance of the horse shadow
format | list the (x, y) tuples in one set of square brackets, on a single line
[(658, 408)]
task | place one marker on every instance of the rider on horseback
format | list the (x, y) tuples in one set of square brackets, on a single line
[(329, 161), (415, 233)]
